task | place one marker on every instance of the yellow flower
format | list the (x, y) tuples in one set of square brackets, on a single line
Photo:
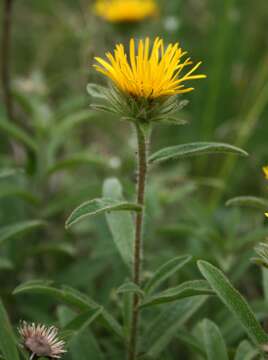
[(265, 170), (149, 72), (125, 10)]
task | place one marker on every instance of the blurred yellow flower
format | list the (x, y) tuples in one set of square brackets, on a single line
[(149, 72), (125, 10), (265, 170)]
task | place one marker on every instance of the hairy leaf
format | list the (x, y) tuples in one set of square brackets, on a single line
[(166, 271), (161, 331), (249, 201), (17, 133), (99, 206), (194, 149), (234, 301), (214, 343), (130, 287), (245, 351), (185, 290), (10, 231), (70, 297), (120, 223)]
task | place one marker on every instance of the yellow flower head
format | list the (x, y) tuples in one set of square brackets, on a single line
[(265, 170), (149, 72), (125, 10)]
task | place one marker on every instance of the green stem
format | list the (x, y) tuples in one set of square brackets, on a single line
[(138, 246), (5, 56)]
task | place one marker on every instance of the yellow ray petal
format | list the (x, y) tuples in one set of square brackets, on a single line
[(149, 72)]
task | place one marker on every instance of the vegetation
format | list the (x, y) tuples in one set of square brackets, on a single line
[(132, 210)]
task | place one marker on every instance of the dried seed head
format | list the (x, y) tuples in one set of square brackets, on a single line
[(42, 340)]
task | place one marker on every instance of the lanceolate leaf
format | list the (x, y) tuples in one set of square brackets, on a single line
[(7, 338), (70, 297), (130, 287), (66, 295), (194, 149), (82, 345), (77, 160), (185, 290), (82, 321), (64, 126), (10, 231), (234, 301), (214, 343), (166, 271), (191, 341), (12, 191), (17, 133), (96, 91), (54, 248), (7, 172), (120, 223), (6, 264), (245, 351), (161, 331), (249, 201), (99, 206)]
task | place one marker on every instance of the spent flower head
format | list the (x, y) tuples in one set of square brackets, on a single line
[(121, 11), (41, 340), (148, 78)]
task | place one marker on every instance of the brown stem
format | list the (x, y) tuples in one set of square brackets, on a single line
[(138, 246), (5, 56)]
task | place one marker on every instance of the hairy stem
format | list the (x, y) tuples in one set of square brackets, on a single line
[(5, 56), (138, 246)]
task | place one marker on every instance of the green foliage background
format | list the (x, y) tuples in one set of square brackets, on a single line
[(62, 153)]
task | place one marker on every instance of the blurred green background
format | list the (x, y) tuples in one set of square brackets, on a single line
[(66, 151)]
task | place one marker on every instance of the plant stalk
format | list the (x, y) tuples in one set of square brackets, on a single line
[(143, 143), (5, 56)]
